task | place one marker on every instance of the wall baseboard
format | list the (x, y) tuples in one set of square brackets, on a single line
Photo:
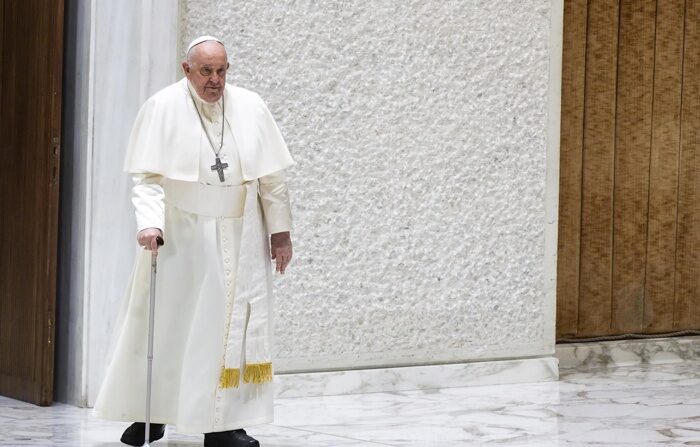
[(652, 351), (416, 377)]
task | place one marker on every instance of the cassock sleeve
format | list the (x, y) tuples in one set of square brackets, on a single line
[(274, 197), (148, 198)]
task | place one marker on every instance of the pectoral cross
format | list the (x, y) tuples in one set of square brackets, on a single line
[(219, 167)]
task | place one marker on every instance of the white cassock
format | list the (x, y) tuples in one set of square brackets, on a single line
[(212, 367)]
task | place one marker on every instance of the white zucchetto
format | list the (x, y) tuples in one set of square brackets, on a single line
[(201, 39)]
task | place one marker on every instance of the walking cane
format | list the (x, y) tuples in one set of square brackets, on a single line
[(151, 321)]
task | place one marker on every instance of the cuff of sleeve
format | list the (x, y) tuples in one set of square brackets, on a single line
[(278, 220), (144, 225)]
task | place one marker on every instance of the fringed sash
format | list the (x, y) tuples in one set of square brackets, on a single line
[(248, 324)]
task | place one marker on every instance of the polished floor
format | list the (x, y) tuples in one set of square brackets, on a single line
[(628, 406)]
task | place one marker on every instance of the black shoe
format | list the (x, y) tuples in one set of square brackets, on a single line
[(135, 434), (232, 438)]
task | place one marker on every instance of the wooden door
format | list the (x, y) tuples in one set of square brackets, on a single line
[(31, 56), (629, 210)]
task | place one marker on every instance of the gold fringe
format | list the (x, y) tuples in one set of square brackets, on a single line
[(258, 372), (230, 378)]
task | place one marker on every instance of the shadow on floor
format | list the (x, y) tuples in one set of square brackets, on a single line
[(156, 444)]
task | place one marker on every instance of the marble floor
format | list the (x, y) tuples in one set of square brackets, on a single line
[(626, 406)]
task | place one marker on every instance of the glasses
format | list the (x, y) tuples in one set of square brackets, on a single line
[(208, 72)]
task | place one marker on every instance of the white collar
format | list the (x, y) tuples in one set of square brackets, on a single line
[(208, 109)]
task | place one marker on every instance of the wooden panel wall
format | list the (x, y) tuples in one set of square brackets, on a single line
[(660, 281), (31, 59), (595, 272), (569, 248), (629, 211), (687, 299), (632, 147)]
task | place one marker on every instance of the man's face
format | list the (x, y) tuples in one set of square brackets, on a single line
[(206, 69)]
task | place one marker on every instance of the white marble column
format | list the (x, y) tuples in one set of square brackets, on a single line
[(122, 53)]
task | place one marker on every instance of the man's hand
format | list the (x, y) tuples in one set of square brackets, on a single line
[(147, 239), (281, 250)]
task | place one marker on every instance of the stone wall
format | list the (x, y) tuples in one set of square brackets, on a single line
[(418, 129)]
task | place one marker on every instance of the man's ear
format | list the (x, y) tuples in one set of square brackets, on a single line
[(186, 68)]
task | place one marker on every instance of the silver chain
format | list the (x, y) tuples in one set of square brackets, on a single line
[(201, 122)]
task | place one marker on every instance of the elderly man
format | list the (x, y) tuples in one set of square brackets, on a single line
[(208, 163)]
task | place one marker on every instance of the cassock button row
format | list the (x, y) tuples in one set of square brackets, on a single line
[(228, 272)]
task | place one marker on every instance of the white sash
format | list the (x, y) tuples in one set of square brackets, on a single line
[(207, 200), (247, 356)]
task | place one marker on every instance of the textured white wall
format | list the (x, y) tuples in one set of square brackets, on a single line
[(419, 129)]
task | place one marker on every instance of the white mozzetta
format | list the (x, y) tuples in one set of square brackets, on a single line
[(419, 130)]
